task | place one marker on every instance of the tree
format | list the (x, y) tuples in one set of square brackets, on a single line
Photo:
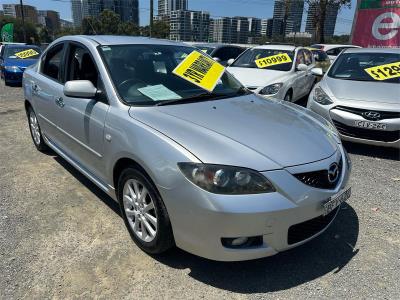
[(128, 28), (318, 13), (160, 30)]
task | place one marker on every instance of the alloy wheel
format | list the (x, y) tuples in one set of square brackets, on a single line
[(34, 126)]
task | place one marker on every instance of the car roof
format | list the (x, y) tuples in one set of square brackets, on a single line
[(214, 45), (20, 46), (119, 40), (372, 50), (276, 47)]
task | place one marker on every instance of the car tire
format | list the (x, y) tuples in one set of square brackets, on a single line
[(288, 96), (34, 129), (146, 218)]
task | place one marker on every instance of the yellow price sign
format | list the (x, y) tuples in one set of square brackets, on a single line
[(26, 53), (200, 70), (384, 72), (282, 58)]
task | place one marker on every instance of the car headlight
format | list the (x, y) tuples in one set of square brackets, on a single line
[(271, 89), (11, 68), (321, 97), (226, 179)]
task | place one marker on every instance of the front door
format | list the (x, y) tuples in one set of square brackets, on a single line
[(82, 122)]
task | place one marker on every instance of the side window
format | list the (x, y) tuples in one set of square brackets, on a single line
[(51, 65), (300, 58), (235, 52), (81, 66), (334, 51), (308, 57), (222, 54)]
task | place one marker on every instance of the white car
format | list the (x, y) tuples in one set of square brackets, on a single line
[(289, 81), (333, 50)]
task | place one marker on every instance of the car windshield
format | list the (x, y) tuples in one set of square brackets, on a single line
[(22, 52), (248, 58), (142, 75), (352, 66), (319, 55), (205, 49)]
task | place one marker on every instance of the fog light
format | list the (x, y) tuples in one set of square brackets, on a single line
[(239, 241)]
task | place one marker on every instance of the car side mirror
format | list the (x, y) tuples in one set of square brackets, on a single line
[(80, 89), (217, 59), (302, 67), (230, 61), (317, 72)]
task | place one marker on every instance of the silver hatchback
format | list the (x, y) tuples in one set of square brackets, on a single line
[(211, 168)]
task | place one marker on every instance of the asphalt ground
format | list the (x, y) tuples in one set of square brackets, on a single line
[(61, 237)]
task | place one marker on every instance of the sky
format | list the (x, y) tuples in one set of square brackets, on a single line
[(247, 8)]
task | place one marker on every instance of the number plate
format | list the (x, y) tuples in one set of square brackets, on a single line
[(370, 125), (336, 200)]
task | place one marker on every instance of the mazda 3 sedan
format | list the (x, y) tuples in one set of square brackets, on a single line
[(192, 157), (360, 95)]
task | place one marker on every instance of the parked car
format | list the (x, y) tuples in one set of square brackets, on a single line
[(223, 174), (333, 50), (289, 81), (364, 107), (14, 59), (322, 60), (221, 52)]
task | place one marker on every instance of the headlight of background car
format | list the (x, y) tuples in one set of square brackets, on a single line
[(271, 89), (11, 68), (321, 97), (225, 179)]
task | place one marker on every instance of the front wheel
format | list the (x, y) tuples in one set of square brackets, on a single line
[(144, 213), (35, 131)]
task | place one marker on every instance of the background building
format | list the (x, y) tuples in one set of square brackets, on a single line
[(254, 30), (14, 10), (187, 25), (165, 7), (49, 19), (128, 10), (66, 23), (266, 27), (330, 20), (287, 16)]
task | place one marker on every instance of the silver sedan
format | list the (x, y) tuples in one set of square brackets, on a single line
[(360, 95), (206, 166)]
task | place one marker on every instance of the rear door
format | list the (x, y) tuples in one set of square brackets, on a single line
[(300, 76), (82, 120), (46, 87), (309, 77)]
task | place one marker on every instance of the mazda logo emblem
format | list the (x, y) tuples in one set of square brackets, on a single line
[(372, 115), (333, 173)]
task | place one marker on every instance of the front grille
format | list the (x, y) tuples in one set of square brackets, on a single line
[(367, 134), (358, 111), (302, 231), (319, 179)]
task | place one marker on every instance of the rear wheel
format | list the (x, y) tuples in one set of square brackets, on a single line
[(35, 131), (144, 213)]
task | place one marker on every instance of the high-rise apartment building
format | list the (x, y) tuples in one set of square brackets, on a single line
[(287, 16), (232, 30), (14, 10), (330, 19), (165, 7), (266, 27), (128, 10), (187, 25), (49, 19), (254, 30)]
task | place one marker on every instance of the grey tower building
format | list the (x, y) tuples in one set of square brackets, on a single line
[(289, 10), (330, 20)]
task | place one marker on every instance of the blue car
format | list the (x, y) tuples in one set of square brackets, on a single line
[(14, 59)]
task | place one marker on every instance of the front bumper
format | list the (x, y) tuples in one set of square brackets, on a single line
[(345, 123), (200, 219)]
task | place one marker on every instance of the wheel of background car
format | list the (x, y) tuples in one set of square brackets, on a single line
[(288, 96), (35, 131), (144, 212), (129, 87)]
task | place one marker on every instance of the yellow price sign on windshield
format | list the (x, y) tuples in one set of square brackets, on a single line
[(200, 70), (26, 53), (384, 72), (282, 58)]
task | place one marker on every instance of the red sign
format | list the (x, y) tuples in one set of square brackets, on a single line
[(377, 27)]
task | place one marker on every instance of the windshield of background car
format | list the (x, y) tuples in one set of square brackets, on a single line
[(205, 49), (9, 52), (319, 55), (138, 68), (248, 58), (351, 66), (317, 46)]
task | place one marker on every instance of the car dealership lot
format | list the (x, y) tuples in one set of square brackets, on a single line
[(60, 236)]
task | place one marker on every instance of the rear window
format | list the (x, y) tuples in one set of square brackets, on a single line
[(320, 55), (317, 46), (22, 52)]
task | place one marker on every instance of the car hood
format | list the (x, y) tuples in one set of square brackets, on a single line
[(246, 131), (252, 77), (21, 63), (368, 91)]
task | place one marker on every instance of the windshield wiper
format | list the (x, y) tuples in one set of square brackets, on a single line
[(195, 98)]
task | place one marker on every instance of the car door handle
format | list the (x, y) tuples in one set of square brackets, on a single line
[(35, 88), (59, 102)]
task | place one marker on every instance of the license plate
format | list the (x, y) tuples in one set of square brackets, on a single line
[(336, 200), (370, 125)]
